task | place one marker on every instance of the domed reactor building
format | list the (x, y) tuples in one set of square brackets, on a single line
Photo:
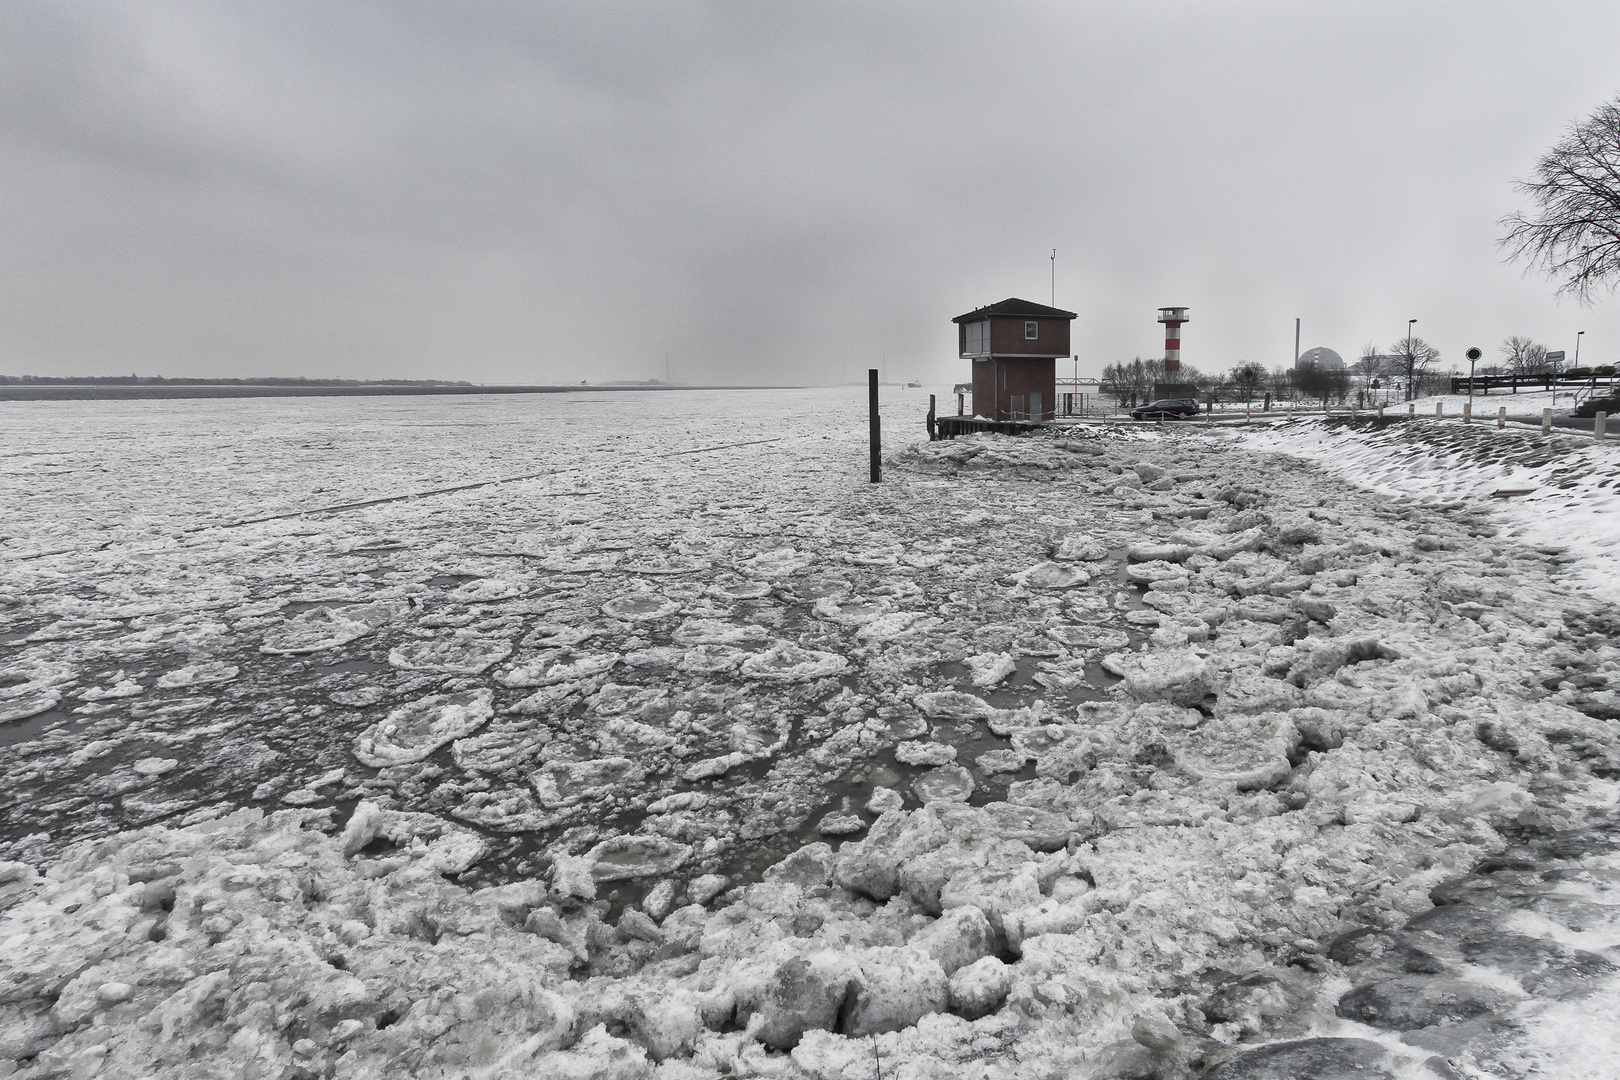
[(1321, 359)]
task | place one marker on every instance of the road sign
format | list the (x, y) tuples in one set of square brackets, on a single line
[(1473, 354), (1556, 357)]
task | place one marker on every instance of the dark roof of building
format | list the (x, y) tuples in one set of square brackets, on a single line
[(1016, 308)]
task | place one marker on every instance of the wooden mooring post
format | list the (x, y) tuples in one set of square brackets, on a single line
[(877, 425), (933, 434)]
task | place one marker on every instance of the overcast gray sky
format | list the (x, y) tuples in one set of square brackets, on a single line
[(767, 192)]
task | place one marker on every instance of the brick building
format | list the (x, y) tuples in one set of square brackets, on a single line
[(1014, 346)]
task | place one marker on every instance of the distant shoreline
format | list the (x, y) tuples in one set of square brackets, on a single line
[(159, 391)]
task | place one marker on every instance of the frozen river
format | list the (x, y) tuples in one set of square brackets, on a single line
[(691, 751)]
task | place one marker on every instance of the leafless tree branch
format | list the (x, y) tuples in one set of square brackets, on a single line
[(1572, 231)]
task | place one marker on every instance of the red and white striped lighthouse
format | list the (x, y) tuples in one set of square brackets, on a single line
[(1172, 317)]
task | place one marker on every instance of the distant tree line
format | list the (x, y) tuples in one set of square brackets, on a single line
[(1405, 369)]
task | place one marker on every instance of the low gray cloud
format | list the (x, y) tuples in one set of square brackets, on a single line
[(762, 192)]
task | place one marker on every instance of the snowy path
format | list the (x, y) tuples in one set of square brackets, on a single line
[(1094, 756)]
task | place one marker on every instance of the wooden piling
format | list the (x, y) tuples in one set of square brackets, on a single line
[(933, 435), (876, 425)]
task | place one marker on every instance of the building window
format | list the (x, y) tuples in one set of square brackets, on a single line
[(976, 340), (1032, 330)]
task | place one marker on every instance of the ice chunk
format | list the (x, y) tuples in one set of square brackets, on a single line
[(1146, 573), (212, 671), (953, 705), (804, 994), (979, 989), (460, 654), (947, 783), (659, 565), (778, 563), (711, 659), (1177, 677), (925, 753), (732, 587), (616, 699), (718, 632), (709, 768), (1080, 546), (1088, 637), (639, 607), (897, 987), (568, 783), (884, 799), (789, 663), (25, 705), (894, 625), (853, 611), (412, 732), (155, 766), (507, 810), (700, 890), (626, 857), (500, 747), (486, 590), (1051, 575), (838, 824), (990, 668), (872, 866), (659, 899), (999, 761), (1171, 553), (957, 938), (995, 890), (1248, 751), (326, 628), (549, 670)]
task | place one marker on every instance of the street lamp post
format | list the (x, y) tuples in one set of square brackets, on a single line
[(1578, 335)]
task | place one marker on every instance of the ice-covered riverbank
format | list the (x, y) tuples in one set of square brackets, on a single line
[(1111, 755)]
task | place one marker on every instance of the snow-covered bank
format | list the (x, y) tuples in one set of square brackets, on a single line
[(1560, 494), (1137, 753)]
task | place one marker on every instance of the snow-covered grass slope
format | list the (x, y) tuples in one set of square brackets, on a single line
[(1558, 493), (1118, 754)]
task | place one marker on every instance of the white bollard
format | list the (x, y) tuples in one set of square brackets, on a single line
[(1246, 416), (1546, 421), (1411, 411), (1501, 417), (1380, 412), (1600, 424), (1468, 412), (1439, 409)]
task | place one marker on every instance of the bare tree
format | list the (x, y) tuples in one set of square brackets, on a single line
[(1246, 379), (1370, 363), (1573, 232), (1130, 381), (1521, 356), (1415, 357), (1315, 382)]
